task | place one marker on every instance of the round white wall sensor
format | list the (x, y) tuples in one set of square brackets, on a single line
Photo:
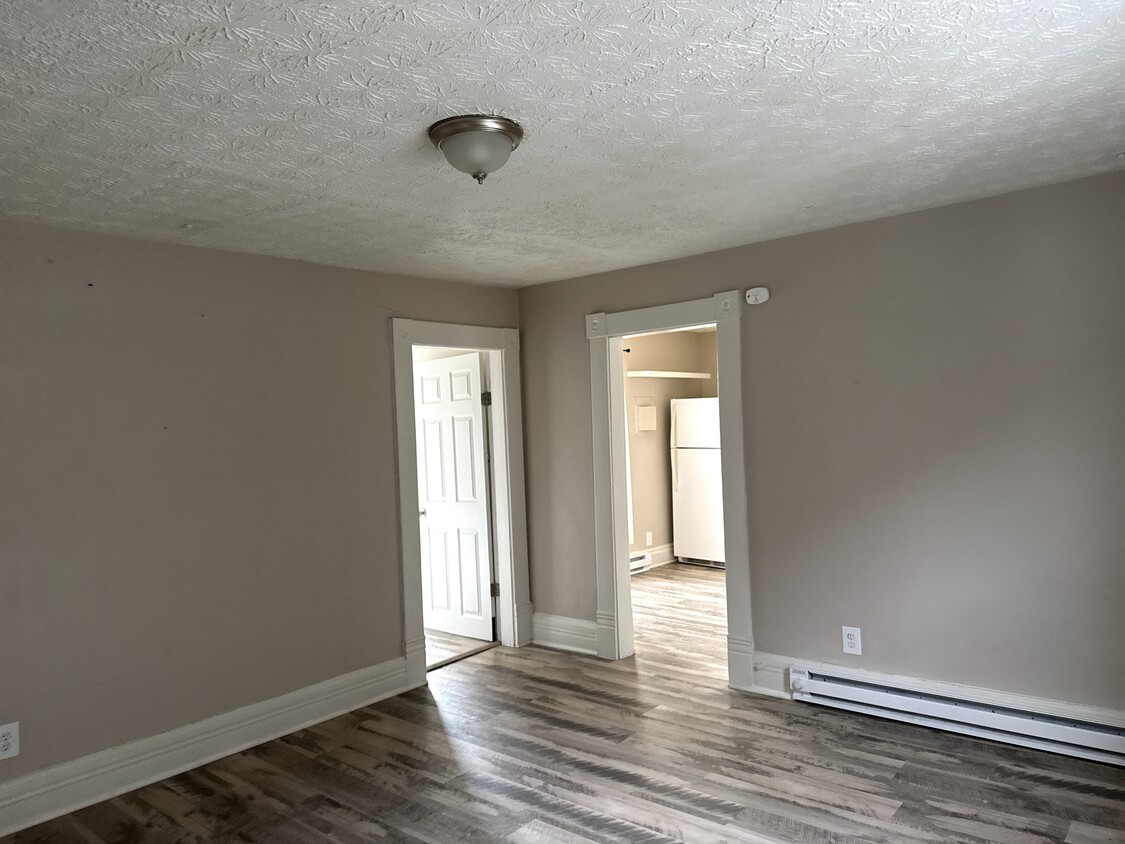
[(757, 295)]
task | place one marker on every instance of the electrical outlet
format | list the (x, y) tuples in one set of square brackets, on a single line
[(10, 740), (853, 644), (648, 538)]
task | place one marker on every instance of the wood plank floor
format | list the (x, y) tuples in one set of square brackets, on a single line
[(532, 745), (443, 648)]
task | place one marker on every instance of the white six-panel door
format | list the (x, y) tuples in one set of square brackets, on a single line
[(453, 497)]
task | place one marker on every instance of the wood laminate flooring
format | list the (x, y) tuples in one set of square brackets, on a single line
[(443, 648), (680, 619), (533, 745)]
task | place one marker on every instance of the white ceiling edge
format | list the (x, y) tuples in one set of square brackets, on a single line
[(655, 131)]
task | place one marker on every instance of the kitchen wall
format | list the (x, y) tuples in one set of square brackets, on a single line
[(934, 411), (649, 463), (197, 481)]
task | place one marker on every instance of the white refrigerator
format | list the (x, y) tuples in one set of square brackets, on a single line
[(697, 481)]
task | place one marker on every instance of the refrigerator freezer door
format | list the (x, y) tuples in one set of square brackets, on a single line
[(695, 423), (697, 504)]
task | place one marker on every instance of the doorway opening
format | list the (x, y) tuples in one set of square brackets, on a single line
[(607, 333), (453, 425), (674, 496), (461, 492)]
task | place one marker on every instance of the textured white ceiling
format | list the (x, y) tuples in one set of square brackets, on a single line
[(654, 129)]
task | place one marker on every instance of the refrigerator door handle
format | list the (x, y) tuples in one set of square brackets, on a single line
[(672, 427), (675, 470)]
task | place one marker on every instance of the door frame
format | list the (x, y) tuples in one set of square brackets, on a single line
[(508, 498), (607, 399)]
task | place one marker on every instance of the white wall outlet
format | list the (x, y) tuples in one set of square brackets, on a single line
[(10, 740), (648, 538), (853, 644)]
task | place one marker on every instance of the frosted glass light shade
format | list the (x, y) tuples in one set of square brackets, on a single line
[(477, 144), (477, 153)]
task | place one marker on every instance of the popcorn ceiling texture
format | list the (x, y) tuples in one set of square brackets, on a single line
[(654, 129)]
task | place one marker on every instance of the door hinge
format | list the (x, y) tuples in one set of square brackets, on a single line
[(495, 590), (486, 399)]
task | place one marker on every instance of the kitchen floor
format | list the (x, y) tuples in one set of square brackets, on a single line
[(680, 617)]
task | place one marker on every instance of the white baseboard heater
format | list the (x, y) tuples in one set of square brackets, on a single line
[(1100, 742), (640, 561)]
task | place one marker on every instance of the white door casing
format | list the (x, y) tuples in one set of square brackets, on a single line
[(502, 347), (614, 611), (453, 497)]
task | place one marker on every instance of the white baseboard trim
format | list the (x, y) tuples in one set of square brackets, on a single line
[(525, 615), (771, 676), (607, 635), (662, 555), (740, 664), (564, 633), (415, 662), (63, 788)]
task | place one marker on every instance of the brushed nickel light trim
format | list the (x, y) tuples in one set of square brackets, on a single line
[(475, 123), (443, 130)]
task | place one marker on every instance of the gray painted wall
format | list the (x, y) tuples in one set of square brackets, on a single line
[(935, 438), (198, 504), (197, 482)]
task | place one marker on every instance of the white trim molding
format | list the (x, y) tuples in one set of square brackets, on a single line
[(740, 663), (564, 633), (64, 788), (607, 400), (502, 347), (769, 676)]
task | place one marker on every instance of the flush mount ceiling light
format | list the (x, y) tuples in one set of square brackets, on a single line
[(477, 144)]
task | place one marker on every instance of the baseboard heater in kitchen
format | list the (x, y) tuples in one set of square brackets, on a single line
[(641, 561), (1057, 734)]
